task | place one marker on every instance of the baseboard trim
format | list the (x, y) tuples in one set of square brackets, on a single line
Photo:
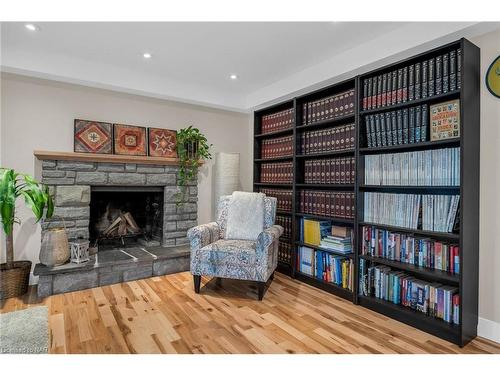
[(488, 329)]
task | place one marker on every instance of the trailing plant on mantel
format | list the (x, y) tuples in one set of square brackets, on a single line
[(192, 149)]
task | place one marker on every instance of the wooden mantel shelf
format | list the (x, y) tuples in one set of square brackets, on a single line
[(104, 158)]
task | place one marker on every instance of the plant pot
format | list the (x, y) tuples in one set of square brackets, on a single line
[(192, 150), (14, 278)]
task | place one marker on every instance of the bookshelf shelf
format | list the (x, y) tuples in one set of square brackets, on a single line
[(327, 154), (275, 133), (273, 184), (429, 273), (348, 255), (412, 189), (467, 236), (281, 158), (329, 122), (326, 186), (417, 232), (454, 142), (283, 212), (414, 318), (455, 94), (329, 287), (337, 220)]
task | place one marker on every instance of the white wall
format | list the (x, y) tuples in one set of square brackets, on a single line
[(489, 248), (38, 114)]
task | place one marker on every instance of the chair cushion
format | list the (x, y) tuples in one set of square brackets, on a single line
[(237, 252), (223, 208), (245, 218)]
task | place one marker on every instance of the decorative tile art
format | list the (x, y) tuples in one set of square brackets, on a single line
[(129, 140), (162, 142), (93, 137)]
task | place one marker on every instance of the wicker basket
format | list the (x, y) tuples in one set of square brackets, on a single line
[(14, 278)]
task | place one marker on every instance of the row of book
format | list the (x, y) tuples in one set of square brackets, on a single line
[(339, 138), (286, 223), (428, 78), (434, 212), (277, 147), (285, 253), (404, 126), (280, 173), (283, 196), (326, 266), (404, 248), (327, 203), (330, 171), (432, 299), (439, 212), (439, 167), (327, 236), (328, 108), (277, 121)]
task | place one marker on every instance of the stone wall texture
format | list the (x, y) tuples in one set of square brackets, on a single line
[(70, 183)]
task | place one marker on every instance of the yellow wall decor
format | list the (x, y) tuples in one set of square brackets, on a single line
[(493, 77)]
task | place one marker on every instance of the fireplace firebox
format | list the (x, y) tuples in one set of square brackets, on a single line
[(121, 216)]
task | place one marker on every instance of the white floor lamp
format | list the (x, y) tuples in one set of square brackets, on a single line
[(227, 175)]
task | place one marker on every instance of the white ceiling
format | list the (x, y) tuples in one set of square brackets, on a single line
[(192, 61)]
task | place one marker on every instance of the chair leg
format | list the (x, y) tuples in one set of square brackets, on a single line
[(197, 282), (272, 276), (261, 286)]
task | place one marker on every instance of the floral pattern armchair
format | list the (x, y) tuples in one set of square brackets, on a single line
[(212, 255)]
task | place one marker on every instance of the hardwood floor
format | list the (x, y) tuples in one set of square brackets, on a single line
[(164, 315)]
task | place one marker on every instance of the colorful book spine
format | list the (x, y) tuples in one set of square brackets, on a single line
[(435, 300)]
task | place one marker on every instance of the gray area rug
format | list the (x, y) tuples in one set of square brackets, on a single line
[(25, 331)]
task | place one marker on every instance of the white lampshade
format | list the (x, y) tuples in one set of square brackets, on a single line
[(226, 175)]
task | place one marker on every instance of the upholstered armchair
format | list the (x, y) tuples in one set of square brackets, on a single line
[(213, 255)]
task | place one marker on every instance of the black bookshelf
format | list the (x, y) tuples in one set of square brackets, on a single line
[(467, 237), (283, 267)]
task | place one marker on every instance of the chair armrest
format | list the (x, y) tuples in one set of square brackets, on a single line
[(267, 237), (203, 235)]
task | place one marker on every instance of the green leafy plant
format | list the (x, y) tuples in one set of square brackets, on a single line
[(192, 149), (36, 196)]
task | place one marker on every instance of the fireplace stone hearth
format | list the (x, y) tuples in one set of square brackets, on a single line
[(111, 267)]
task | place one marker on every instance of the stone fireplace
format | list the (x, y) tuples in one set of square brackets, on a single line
[(73, 184), (93, 191)]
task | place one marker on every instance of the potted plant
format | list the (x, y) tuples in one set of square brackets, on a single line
[(14, 276), (192, 149)]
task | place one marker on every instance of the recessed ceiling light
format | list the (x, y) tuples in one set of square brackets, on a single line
[(233, 76), (31, 27), (146, 55)]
